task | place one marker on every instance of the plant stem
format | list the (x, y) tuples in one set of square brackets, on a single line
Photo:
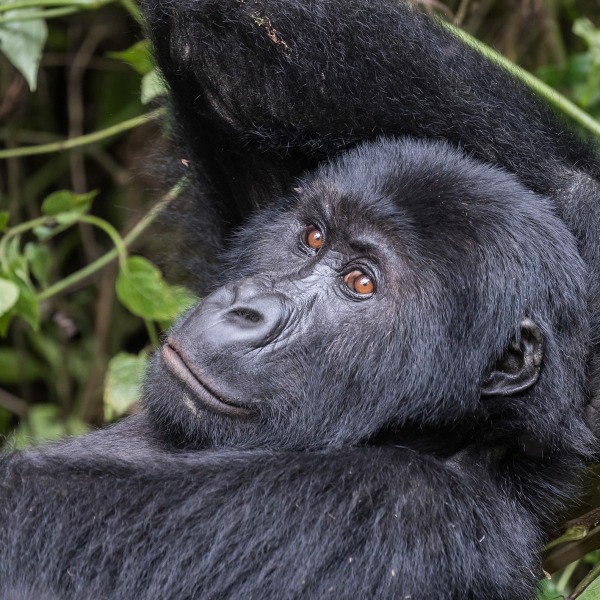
[(84, 4), (573, 534), (101, 262), (34, 15), (27, 225), (83, 140), (151, 333), (584, 583), (112, 233), (551, 95), (566, 576)]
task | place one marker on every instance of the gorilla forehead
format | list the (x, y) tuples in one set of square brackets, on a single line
[(429, 192), (441, 218), (451, 225)]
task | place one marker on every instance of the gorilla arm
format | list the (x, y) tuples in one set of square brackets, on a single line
[(351, 523), (302, 80)]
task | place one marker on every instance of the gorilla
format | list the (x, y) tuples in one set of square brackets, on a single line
[(382, 399), (262, 90), (382, 394)]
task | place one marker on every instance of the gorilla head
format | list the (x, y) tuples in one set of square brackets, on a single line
[(403, 283)]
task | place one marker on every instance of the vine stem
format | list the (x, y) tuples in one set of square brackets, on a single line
[(35, 15), (154, 341), (85, 4), (83, 140), (49, 220), (127, 240), (112, 233), (551, 95), (59, 8)]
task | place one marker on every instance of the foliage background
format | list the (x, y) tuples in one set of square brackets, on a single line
[(73, 68)]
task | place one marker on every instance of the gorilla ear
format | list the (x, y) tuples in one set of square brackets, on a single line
[(520, 366)]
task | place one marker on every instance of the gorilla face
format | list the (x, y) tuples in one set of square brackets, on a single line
[(402, 283)]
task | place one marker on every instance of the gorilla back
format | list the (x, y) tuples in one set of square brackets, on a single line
[(383, 399)]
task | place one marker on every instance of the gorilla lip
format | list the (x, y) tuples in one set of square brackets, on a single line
[(174, 360)]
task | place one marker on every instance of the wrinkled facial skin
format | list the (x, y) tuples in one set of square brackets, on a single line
[(253, 353), (379, 294)]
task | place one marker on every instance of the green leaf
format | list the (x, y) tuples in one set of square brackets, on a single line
[(152, 86), (17, 263), (39, 261), (5, 320), (138, 56), (44, 423), (68, 218), (547, 591), (4, 217), (43, 232), (123, 383), (26, 306), (22, 43), (6, 418), (592, 592), (18, 266), (65, 201), (141, 288), (9, 294), (585, 29), (16, 368)]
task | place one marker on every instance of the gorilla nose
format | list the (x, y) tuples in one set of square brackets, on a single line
[(254, 314), (244, 314)]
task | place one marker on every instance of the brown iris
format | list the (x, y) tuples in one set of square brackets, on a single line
[(359, 283), (313, 237)]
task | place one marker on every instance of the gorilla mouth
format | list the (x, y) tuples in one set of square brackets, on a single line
[(174, 360)]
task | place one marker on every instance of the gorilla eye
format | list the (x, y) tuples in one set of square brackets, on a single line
[(313, 237), (359, 283)]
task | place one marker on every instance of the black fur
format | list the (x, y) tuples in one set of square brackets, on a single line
[(343, 523), (408, 444), (263, 89), (367, 465)]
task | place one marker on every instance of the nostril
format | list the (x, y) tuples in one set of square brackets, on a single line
[(247, 314)]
